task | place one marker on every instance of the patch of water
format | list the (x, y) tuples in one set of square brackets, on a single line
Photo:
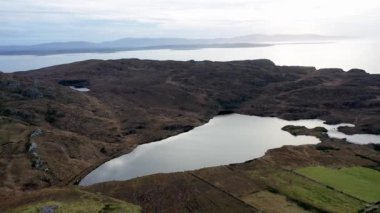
[(82, 89), (223, 140)]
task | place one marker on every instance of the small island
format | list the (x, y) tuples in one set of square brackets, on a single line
[(319, 132)]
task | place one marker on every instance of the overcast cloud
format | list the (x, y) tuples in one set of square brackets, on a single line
[(35, 21)]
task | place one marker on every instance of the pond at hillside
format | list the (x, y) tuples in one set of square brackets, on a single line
[(223, 140), (80, 89)]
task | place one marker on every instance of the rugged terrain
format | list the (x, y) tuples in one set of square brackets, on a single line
[(270, 183), (52, 135)]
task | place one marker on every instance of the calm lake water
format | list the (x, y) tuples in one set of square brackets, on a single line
[(341, 54), (223, 140)]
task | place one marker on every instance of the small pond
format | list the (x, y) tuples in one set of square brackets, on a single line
[(80, 89), (223, 140)]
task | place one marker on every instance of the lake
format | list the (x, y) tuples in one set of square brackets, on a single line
[(223, 140), (345, 54)]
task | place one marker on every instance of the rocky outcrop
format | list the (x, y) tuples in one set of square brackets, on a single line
[(319, 132), (31, 148)]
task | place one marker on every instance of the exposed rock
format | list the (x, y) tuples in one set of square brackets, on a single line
[(319, 132), (357, 72), (36, 160), (49, 209)]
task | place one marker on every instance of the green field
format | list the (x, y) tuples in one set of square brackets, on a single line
[(359, 182), (309, 193)]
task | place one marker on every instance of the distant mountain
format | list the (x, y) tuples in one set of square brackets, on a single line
[(146, 42), (46, 48), (253, 38), (126, 44), (286, 38)]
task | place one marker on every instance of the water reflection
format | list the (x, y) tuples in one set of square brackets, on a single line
[(224, 140), (342, 54)]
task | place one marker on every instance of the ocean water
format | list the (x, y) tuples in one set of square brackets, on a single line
[(346, 54)]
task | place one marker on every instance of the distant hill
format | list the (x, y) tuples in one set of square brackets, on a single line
[(126, 44), (286, 38)]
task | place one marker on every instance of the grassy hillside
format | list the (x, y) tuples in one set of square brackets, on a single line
[(68, 200), (359, 182)]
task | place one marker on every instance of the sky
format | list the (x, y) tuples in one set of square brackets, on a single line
[(39, 21)]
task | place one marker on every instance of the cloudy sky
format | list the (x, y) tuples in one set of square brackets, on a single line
[(36, 21)]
